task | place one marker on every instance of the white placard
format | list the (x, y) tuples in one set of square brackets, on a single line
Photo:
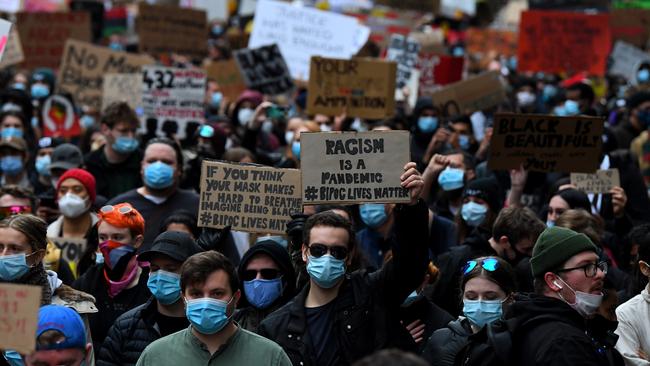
[(627, 60), (450, 7), (216, 10)]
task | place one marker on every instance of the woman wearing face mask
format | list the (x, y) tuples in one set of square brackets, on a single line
[(481, 203), (75, 195), (564, 200), (292, 158), (487, 285), (374, 240), (14, 124)]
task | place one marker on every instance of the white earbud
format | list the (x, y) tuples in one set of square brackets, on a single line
[(557, 284)]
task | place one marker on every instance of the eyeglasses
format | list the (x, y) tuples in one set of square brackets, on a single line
[(266, 273), (7, 211), (488, 264), (110, 208), (319, 250), (590, 269)]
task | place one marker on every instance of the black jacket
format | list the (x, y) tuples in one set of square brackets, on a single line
[(445, 344), (429, 313), (114, 179), (364, 309), (562, 340), (132, 332)]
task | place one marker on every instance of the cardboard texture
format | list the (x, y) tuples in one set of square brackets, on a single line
[(19, 316), (169, 29), (59, 117), (227, 75), (476, 93), (248, 197), (404, 51), (264, 69), (83, 66), (14, 51), (438, 70), (171, 94), (600, 182), (354, 167), (630, 25), (488, 42), (364, 88), (5, 29), (627, 60), (44, 35), (557, 42), (122, 88), (546, 143), (71, 249)]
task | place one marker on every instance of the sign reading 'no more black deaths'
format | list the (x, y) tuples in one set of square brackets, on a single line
[(354, 167), (264, 69)]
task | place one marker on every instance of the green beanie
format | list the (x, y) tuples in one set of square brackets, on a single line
[(555, 246)]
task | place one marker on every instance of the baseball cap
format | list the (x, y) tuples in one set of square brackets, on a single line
[(66, 156), (175, 244), (64, 320)]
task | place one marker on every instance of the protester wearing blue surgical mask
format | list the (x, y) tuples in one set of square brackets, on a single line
[(462, 134), (482, 200), (488, 286), (267, 281), (164, 313), (39, 90), (12, 125), (373, 240), (643, 75), (13, 157), (425, 125)]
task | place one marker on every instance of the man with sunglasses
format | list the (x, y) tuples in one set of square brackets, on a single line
[(569, 278), (340, 317)]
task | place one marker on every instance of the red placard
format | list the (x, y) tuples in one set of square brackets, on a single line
[(555, 42), (437, 70)]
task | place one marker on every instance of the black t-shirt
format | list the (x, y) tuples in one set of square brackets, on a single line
[(320, 324), (170, 324)]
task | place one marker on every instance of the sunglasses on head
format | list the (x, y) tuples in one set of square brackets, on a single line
[(109, 208), (7, 211), (319, 250), (266, 273), (488, 264)]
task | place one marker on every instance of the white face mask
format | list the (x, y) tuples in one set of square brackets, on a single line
[(325, 128), (586, 304), (244, 115), (288, 136), (72, 206), (267, 127)]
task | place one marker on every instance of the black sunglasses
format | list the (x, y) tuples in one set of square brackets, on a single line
[(319, 250), (266, 273)]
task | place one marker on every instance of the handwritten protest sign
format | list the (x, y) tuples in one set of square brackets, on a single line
[(546, 143), (364, 88), (44, 35), (13, 51), (353, 167), (480, 92), (19, 317), (601, 182), (71, 249), (264, 69), (556, 42), (630, 25), (304, 32), (227, 75), (248, 197), (83, 66), (171, 94), (437, 70), (404, 51), (59, 117), (165, 29), (626, 61), (122, 88)]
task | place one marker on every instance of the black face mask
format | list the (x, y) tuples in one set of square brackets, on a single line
[(518, 256)]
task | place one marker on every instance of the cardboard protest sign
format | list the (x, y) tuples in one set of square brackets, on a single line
[(476, 93), (226, 74), (45, 5), (170, 29), (59, 117), (438, 70), (83, 66), (171, 94), (354, 167), (13, 51), (247, 197), (5, 28), (627, 60), (122, 88), (43, 35), (19, 317), (264, 69), (546, 143), (364, 88), (630, 25), (216, 10), (563, 42), (71, 249), (482, 41), (404, 51), (302, 32), (601, 182)]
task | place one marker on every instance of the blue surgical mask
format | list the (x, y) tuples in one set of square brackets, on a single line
[(643, 116), (427, 124), (34, 122), (288, 136), (11, 165), (19, 86), (99, 258), (165, 286), (216, 99), (125, 145), (550, 223), (451, 178), (13, 358), (482, 312), (207, 315), (373, 214), (116, 46), (458, 52), (43, 165), (326, 271), (560, 111), (411, 297), (13, 266), (463, 141), (295, 149), (11, 132), (158, 175), (549, 92), (87, 121), (217, 29), (262, 293), (473, 213), (571, 107), (643, 76), (39, 91)]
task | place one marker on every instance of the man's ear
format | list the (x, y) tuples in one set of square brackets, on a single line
[(552, 282), (644, 268), (89, 348), (504, 242), (138, 241), (304, 250)]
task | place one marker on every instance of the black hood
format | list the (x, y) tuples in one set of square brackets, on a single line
[(281, 258), (529, 306)]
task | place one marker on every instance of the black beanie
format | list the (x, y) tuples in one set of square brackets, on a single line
[(486, 189)]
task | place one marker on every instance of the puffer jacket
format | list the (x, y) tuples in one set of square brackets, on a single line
[(132, 332), (445, 343)]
